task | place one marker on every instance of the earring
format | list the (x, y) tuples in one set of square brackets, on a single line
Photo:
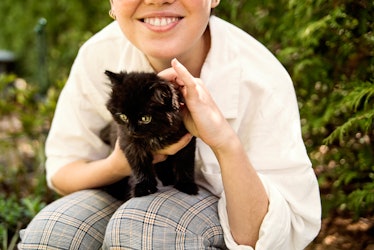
[(111, 14)]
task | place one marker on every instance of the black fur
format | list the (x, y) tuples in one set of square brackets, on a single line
[(147, 117)]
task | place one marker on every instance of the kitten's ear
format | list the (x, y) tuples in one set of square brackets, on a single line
[(158, 95), (167, 95), (177, 97), (114, 77)]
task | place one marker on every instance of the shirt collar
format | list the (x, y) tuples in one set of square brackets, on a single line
[(132, 59), (221, 71)]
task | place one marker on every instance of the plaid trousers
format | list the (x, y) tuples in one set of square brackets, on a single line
[(92, 219)]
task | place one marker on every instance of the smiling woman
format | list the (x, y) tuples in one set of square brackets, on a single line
[(256, 185), (167, 29)]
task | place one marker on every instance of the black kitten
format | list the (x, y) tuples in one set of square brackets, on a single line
[(147, 117)]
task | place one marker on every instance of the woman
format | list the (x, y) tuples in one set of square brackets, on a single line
[(258, 189)]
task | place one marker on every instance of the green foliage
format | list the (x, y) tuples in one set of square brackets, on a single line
[(14, 215), (339, 65), (25, 115), (326, 45), (24, 123), (359, 101), (69, 24)]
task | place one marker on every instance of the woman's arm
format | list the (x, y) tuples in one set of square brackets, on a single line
[(82, 174), (247, 201)]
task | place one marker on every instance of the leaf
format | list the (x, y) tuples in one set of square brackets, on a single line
[(360, 102)]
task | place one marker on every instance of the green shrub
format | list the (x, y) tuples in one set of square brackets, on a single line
[(24, 123), (69, 24), (14, 215), (327, 46)]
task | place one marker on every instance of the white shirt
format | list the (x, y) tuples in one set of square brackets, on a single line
[(254, 93)]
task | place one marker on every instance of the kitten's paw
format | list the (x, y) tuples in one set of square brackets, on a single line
[(143, 189), (187, 187)]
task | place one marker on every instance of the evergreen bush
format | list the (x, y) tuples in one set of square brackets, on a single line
[(326, 45)]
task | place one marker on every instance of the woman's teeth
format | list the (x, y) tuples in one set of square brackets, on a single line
[(160, 21)]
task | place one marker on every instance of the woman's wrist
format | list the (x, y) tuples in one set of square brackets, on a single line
[(225, 140), (231, 145), (118, 165)]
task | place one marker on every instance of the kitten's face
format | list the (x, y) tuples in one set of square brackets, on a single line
[(144, 104)]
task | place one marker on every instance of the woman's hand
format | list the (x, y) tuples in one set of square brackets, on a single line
[(118, 161), (162, 154), (203, 119)]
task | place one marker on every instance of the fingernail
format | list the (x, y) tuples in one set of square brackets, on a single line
[(175, 62)]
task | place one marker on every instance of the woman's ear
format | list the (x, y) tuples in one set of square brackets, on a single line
[(214, 3), (112, 13)]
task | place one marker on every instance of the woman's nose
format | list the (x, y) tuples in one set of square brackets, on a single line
[(158, 2)]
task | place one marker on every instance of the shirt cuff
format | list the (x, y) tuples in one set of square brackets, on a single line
[(275, 228), (53, 165)]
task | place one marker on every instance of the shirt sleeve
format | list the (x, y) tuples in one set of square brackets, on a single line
[(282, 228), (79, 116), (81, 111), (275, 148), (272, 138)]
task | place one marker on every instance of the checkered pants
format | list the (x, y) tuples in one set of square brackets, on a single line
[(91, 219)]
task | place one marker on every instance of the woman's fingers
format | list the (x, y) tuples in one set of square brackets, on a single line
[(203, 118), (159, 158), (178, 74), (184, 78), (168, 74)]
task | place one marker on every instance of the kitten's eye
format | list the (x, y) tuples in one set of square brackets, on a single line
[(123, 117), (145, 119)]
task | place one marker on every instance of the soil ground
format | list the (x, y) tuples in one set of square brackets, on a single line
[(341, 233)]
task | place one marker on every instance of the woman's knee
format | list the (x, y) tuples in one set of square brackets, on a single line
[(165, 220), (75, 221)]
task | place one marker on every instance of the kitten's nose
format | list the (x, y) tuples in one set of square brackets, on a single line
[(134, 132), (132, 129)]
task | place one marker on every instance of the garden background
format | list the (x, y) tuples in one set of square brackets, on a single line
[(326, 45)]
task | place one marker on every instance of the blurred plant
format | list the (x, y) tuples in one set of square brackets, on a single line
[(25, 115), (24, 123), (69, 24), (326, 45), (360, 102), (14, 215), (353, 181)]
